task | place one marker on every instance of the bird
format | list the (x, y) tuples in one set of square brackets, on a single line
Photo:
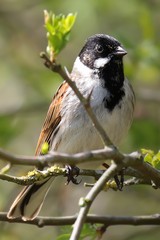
[(98, 69)]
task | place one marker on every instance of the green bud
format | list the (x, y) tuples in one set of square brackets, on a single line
[(82, 202), (45, 148)]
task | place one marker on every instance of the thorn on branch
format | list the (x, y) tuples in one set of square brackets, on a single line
[(67, 72)]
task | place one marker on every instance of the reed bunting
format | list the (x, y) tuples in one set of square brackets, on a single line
[(67, 127)]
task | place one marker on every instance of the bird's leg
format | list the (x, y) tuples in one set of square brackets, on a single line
[(71, 173), (121, 173), (119, 182)]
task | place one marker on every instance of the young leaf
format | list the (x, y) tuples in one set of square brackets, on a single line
[(151, 157), (58, 32), (88, 232), (156, 161)]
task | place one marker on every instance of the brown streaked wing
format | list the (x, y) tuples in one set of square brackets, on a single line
[(52, 119)]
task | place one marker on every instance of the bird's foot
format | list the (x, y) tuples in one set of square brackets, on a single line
[(119, 178), (72, 173)]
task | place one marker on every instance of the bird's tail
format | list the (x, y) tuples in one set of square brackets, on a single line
[(30, 200)]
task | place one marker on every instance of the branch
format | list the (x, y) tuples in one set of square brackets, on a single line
[(92, 219), (134, 160), (88, 200), (54, 157), (37, 175), (55, 171), (150, 173)]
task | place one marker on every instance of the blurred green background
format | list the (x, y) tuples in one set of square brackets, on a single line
[(26, 89)]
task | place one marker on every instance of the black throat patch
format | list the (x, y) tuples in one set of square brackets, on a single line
[(113, 77)]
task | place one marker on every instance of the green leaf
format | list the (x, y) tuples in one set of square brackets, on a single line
[(69, 21), (88, 230), (148, 155), (147, 151), (148, 158), (156, 161), (151, 157), (58, 32)]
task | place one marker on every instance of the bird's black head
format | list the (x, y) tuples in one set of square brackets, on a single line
[(103, 54), (99, 50)]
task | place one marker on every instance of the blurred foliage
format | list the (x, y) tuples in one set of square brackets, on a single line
[(26, 89), (88, 232), (8, 130)]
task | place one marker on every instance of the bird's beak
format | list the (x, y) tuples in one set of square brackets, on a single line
[(120, 51)]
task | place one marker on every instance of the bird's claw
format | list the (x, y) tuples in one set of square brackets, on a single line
[(72, 173), (119, 181)]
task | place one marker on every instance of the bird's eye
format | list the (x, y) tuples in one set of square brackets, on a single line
[(99, 48)]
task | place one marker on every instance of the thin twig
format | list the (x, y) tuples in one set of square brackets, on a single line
[(54, 157), (69, 220), (88, 200), (36, 175)]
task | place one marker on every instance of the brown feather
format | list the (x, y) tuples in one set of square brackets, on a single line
[(53, 118)]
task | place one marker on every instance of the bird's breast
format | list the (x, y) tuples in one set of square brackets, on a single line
[(76, 131)]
